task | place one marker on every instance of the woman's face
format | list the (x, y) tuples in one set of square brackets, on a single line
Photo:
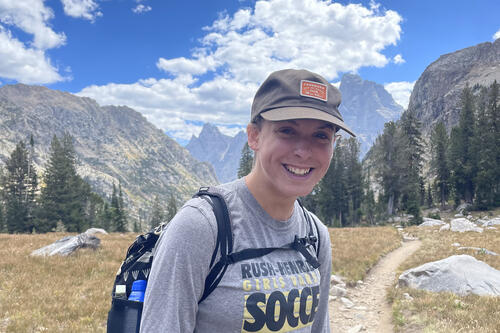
[(292, 155)]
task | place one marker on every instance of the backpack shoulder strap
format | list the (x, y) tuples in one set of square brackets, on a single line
[(224, 242)]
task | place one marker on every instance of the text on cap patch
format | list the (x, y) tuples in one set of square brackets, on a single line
[(313, 89)]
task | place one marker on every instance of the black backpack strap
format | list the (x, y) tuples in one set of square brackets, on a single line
[(224, 242)]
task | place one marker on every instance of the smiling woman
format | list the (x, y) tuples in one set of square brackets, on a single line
[(294, 121)]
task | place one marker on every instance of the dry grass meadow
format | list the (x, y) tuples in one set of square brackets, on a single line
[(445, 312), (72, 294)]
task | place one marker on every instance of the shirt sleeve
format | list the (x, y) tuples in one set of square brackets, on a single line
[(322, 319), (180, 266)]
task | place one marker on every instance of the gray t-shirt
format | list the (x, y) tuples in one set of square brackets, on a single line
[(278, 292)]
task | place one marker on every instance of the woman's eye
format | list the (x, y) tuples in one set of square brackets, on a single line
[(286, 131), (322, 136)]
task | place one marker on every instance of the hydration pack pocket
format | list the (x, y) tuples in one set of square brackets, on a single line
[(124, 316)]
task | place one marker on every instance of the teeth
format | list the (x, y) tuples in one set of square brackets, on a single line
[(298, 171)]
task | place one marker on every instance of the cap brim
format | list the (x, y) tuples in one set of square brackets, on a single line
[(288, 113)]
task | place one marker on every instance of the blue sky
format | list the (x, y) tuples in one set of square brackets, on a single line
[(183, 63)]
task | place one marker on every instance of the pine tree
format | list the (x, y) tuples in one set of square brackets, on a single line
[(389, 168), (246, 161), (462, 156), (171, 208), (439, 162), (412, 158), (118, 220), (65, 195), (157, 214), (19, 187), (429, 200)]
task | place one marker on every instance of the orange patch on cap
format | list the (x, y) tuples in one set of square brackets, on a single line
[(313, 89)]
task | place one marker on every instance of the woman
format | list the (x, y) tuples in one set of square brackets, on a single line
[(293, 127)]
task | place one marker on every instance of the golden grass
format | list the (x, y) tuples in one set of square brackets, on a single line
[(73, 294), (356, 250), (57, 294), (446, 312)]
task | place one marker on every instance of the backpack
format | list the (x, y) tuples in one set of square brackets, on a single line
[(125, 315)]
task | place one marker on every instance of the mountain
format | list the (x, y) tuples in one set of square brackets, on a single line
[(366, 106), (112, 143), (436, 94), (221, 150)]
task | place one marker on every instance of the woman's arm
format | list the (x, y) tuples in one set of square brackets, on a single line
[(180, 266)]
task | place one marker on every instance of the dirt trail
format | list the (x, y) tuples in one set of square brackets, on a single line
[(371, 309)]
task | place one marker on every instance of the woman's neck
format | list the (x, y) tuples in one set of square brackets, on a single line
[(276, 206)]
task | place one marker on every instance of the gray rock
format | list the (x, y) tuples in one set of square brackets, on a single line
[(455, 244), (68, 245), (463, 225), (93, 231), (346, 302), (428, 222), (493, 221), (445, 227), (356, 329), (459, 274), (338, 291), (335, 279)]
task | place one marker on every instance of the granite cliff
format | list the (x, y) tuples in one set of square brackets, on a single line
[(436, 94), (222, 151), (112, 143), (366, 106)]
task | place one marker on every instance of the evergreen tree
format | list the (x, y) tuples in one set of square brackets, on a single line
[(412, 158), (171, 208), (19, 187), (439, 162), (65, 195), (484, 145), (462, 153), (389, 168), (354, 181), (429, 200), (246, 161), (118, 220), (157, 214)]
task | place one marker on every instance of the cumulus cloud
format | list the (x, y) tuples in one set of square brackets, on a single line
[(26, 65), (238, 51), (400, 91), (398, 59), (32, 17), (86, 9), (140, 8), (496, 35), (27, 62)]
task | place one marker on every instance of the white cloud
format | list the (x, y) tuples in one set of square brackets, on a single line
[(32, 17), (400, 91), (86, 9), (398, 59), (23, 64), (238, 51), (496, 35), (141, 9), (27, 62)]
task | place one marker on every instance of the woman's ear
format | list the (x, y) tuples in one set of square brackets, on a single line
[(253, 132)]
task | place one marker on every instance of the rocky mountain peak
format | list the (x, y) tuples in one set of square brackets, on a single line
[(220, 150), (436, 94), (366, 106)]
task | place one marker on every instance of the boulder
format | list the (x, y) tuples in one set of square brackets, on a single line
[(493, 221), (93, 231), (459, 274), (428, 222), (68, 245), (445, 227), (463, 225), (479, 250)]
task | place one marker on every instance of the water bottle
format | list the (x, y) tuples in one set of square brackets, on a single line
[(138, 289)]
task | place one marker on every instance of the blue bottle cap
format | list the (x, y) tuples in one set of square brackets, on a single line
[(139, 285)]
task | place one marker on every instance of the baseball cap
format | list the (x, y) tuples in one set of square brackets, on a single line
[(298, 94)]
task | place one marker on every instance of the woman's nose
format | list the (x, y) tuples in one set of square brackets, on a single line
[(303, 149)]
